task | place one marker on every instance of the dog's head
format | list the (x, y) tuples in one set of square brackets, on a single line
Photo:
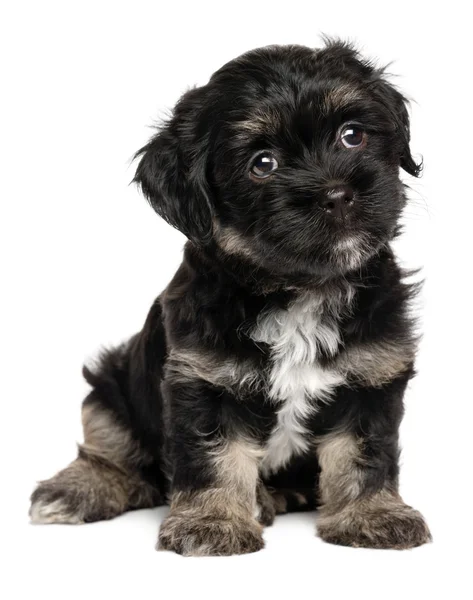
[(288, 157)]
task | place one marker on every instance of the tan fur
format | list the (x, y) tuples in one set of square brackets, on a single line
[(293, 499), (105, 438), (89, 491), (341, 97), (350, 517), (236, 475), (352, 251), (236, 464), (378, 521), (267, 121), (266, 510), (195, 534), (280, 502), (102, 482), (232, 242), (372, 365), (377, 363), (218, 520), (207, 366), (341, 464), (301, 499)]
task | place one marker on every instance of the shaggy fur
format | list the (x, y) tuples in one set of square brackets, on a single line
[(269, 375)]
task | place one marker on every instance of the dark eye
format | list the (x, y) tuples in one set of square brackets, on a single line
[(352, 136), (264, 165)]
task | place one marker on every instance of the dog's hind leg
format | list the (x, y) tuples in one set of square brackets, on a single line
[(105, 480), (119, 466), (279, 501), (292, 489)]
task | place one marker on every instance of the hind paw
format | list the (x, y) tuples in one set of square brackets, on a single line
[(45, 509), (51, 503), (81, 493)]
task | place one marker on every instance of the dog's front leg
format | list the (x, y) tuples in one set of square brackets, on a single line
[(214, 474), (361, 506)]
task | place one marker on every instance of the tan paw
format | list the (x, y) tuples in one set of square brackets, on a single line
[(206, 536), (46, 511), (78, 494), (398, 527)]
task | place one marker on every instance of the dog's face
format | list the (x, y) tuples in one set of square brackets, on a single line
[(289, 157)]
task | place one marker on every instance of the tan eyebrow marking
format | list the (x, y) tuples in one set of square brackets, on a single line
[(340, 97), (266, 120)]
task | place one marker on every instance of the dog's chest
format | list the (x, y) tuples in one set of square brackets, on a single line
[(297, 382)]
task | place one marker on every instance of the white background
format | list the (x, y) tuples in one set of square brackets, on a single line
[(83, 256)]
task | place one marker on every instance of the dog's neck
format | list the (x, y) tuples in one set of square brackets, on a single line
[(241, 272)]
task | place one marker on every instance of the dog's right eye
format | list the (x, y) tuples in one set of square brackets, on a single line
[(263, 165)]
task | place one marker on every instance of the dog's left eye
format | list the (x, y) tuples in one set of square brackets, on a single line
[(352, 136), (264, 165)]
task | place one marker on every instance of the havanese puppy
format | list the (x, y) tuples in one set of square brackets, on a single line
[(269, 375)]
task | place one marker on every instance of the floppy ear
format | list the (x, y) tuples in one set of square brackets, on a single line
[(172, 170), (395, 102)]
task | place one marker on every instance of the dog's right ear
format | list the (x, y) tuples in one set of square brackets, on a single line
[(172, 170)]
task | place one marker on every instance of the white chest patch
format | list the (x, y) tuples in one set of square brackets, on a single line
[(297, 381)]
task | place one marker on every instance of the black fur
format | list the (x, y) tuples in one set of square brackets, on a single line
[(195, 174)]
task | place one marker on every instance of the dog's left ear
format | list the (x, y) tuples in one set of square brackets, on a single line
[(396, 104), (173, 166)]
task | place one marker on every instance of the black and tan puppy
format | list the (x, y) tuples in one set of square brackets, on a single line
[(269, 375)]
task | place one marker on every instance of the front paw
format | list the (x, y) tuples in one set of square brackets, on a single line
[(397, 527), (206, 536)]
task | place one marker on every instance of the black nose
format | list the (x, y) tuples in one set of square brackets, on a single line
[(337, 201)]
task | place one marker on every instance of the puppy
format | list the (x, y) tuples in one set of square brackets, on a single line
[(269, 375)]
